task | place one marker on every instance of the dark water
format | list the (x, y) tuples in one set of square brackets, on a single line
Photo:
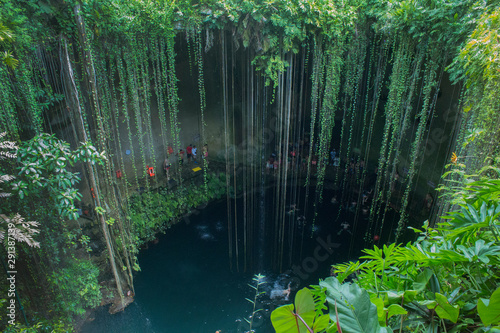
[(186, 285)]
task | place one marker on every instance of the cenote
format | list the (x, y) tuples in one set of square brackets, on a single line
[(207, 294), (249, 166)]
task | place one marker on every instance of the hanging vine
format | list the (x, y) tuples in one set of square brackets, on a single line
[(203, 102), (173, 99), (160, 87), (397, 89), (334, 66), (9, 120), (429, 83), (26, 88)]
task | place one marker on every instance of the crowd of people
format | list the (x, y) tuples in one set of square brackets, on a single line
[(191, 153), (298, 156)]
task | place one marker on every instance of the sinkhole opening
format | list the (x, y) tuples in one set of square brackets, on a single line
[(191, 280)]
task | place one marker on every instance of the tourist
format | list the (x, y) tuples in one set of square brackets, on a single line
[(336, 161), (334, 199), (352, 207), (314, 161), (194, 151), (428, 201), (181, 157), (365, 196), (281, 293), (269, 166), (395, 179), (166, 167), (345, 227), (189, 152), (293, 209), (352, 166)]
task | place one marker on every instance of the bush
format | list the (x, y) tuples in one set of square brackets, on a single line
[(153, 212), (76, 287)]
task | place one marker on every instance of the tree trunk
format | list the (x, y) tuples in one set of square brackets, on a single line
[(90, 71)]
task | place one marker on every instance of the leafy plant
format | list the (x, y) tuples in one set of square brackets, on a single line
[(7, 36), (352, 306), (300, 316), (259, 281), (154, 212), (489, 309), (76, 287), (441, 280), (43, 173)]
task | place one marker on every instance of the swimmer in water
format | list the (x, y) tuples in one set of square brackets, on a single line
[(293, 209), (345, 227), (285, 293)]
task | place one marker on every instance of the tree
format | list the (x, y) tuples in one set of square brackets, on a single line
[(16, 226)]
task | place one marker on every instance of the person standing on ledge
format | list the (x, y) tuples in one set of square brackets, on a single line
[(166, 167), (189, 152), (195, 150), (181, 157)]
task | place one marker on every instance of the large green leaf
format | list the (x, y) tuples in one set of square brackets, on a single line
[(385, 313), (426, 277), (489, 310), (395, 309), (381, 311), (286, 320), (304, 301), (321, 323), (357, 314), (445, 310)]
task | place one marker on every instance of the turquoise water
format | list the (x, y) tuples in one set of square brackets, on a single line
[(185, 284)]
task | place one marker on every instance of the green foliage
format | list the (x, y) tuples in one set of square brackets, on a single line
[(153, 212), (352, 306), (478, 59), (444, 278), (259, 281), (76, 287), (478, 66), (464, 250), (272, 66), (302, 317), (6, 37), (489, 309), (42, 325), (8, 59), (270, 28), (439, 22), (6, 34), (43, 173)]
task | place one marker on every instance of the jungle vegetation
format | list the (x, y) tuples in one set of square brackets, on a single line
[(82, 80)]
